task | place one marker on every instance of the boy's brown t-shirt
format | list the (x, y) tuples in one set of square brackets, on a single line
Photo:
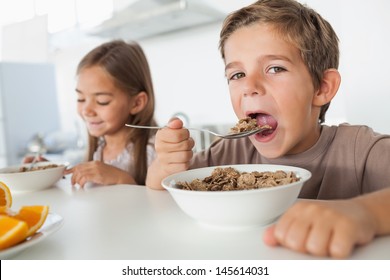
[(347, 160)]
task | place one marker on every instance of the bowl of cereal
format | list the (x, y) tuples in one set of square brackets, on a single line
[(236, 196), (42, 176)]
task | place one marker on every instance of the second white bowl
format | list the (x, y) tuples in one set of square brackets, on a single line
[(31, 180)]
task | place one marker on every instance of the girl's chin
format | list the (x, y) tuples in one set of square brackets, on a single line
[(95, 133)]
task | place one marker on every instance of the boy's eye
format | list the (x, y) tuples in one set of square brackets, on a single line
[(237, 76), (276, 69), (79, 100)]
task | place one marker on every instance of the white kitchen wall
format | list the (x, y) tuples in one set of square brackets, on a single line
[(365, 44), (26, 41)]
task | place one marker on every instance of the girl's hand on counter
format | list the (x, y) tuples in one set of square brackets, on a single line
[(29, 159), (99, 173)]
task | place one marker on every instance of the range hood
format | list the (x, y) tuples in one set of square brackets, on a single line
[(147, 18)]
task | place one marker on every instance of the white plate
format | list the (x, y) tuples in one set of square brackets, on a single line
[(52, 224)]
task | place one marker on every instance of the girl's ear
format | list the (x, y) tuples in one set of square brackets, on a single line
[(329, 86), (138, 103)]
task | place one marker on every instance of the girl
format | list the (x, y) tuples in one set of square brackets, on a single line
[(114, 87)]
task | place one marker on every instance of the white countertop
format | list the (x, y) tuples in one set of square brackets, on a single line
[(135, 223)]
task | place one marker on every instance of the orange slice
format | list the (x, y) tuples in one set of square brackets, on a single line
[(6, 211), (34, 216), (5, 195), (12, 231)]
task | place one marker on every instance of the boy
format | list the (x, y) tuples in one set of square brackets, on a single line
[(281, 61)]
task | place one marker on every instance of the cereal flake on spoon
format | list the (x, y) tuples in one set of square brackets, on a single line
[(246, 124)]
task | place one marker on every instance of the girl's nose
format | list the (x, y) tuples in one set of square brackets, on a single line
[(88, 109)]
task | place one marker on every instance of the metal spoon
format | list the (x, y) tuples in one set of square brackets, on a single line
[(225, 136)]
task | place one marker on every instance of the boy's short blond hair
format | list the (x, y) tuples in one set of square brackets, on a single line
[(300, 26)]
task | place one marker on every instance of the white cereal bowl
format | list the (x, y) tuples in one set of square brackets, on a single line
[(236, 209), (18, 181)]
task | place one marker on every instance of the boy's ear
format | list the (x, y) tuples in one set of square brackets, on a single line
[(139, 103), (329, 86)]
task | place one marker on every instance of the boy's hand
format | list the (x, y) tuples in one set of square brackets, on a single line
[(323, 228), (174, 151)]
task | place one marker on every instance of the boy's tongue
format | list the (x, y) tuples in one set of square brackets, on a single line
[(263, 119)]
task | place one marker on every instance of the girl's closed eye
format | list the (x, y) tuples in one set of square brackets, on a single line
[(80, 97), (103, 99), (103, 102)]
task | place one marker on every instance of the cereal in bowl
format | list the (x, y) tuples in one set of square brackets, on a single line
[(35, 168), (230, 179)]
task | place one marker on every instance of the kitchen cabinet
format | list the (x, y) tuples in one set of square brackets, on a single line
[(28, 106)]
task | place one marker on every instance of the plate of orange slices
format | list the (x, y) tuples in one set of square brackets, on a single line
[(24, 228)]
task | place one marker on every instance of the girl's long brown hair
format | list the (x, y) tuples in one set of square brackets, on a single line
[(127, 65)]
